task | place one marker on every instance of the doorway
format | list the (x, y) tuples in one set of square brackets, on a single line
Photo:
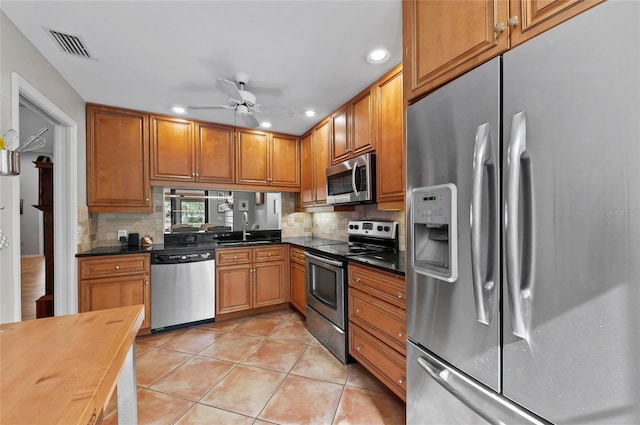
[(65, 135), (36, 219)]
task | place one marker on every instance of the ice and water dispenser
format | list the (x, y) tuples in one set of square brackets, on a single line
[(434, 225)]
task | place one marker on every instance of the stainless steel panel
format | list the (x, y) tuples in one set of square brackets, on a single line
[(580, 90), (441, 135), (331, 336), (182, 293), (439, 394), (325, 285)]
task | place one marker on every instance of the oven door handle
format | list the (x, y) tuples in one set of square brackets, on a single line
[(324, 260)]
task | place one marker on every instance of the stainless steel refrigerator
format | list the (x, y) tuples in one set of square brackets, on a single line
[(523, 245)]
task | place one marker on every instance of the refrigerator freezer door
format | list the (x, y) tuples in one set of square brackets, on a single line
[(449, 397), (572, 349), (443, 132)]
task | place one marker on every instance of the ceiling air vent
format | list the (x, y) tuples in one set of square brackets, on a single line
[(71, 44)]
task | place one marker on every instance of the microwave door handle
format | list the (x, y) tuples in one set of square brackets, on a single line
[(353, 179)]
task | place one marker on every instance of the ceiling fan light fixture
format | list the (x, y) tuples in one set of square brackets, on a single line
[(179, 109), (310, 113), (378, 56), (266, 124)]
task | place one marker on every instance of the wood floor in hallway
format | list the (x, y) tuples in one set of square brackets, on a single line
[(32, 284)]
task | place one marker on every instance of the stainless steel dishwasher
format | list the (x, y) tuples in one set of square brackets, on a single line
[(182, 288)]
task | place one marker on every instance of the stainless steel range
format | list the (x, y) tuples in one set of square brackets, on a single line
[(326, 284)]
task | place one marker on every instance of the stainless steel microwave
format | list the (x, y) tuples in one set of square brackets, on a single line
[(352, 181)]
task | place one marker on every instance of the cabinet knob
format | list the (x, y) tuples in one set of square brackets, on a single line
[(500, 27), (400, 295), (235, 257), (269, 179), (146, 282), (359, 347), (269, 254), (358, 310), (513, 21), (117, 267), (401, 380), (400, 333), (197, 174), (357, 278), (146, 199)]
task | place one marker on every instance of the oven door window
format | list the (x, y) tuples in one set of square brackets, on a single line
[(324, 286), (342, 183)]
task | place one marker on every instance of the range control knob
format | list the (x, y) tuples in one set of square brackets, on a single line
[(379, 228), (356, 227), (387, 228), (351, 226)]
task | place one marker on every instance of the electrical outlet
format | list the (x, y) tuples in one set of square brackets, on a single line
[(290, 221), (122, 234)]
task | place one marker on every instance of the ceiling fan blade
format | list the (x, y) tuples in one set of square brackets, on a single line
[(198, 107), (230, 88), (276, 109), (250, 121)]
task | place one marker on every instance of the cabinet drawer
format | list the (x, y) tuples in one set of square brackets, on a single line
[(269, 253), (384, 321), (113, 265), (297, 255), (229, 256), (384, 362), (388, 287)]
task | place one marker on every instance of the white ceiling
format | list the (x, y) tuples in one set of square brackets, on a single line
[(151, 55)]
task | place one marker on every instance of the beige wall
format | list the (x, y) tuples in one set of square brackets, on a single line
[(18, 55)]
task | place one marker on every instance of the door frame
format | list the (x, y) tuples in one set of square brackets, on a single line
[(65, 195)]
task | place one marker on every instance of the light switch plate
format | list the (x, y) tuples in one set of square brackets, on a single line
[(122, 234)]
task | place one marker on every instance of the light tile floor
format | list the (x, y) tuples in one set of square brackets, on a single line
[(265, 369)]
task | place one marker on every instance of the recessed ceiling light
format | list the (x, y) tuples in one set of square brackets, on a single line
[(310, 113), (378, 56), (266, 124), (179, 109)]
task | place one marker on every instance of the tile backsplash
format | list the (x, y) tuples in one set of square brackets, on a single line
[(101, 229)]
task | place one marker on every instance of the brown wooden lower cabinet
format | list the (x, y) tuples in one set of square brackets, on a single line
[(250, 278), (298, 281), (115, 281), (378, 323)]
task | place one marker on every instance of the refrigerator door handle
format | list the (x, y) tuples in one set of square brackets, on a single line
[(490, 406), (483, 288), (519, 279)]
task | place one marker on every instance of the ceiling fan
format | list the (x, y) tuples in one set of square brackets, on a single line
[(243, 102)]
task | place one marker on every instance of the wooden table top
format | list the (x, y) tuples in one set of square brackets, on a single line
[(63, 369)]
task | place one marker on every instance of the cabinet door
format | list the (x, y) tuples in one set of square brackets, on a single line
[(233, 288), (444, 39), (321, 161), (269, 281), (172, 155), (117, 160), (215, 159), (307, 190), (253, 157), (340, 139), (362, 120), (285, 161), (298, 287), (390, 160), (529, 18), (100, 294)]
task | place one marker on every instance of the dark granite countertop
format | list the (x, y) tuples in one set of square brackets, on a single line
[(392, 262)]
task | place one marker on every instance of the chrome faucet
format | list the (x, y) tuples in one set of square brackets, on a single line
[(245, 222)]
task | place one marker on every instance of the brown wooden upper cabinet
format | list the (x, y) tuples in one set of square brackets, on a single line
[(265, 159), (352, 131), (215, 153), (117, 160), (314, 162), (390, 163), (444, 39), (172, 149)]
